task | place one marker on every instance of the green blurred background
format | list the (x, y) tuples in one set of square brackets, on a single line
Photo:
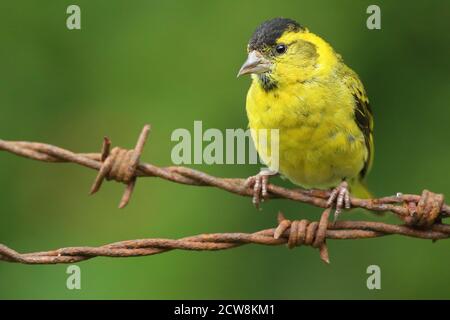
[(170, 63)]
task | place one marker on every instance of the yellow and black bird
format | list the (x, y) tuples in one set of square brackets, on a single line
[(303, 88)]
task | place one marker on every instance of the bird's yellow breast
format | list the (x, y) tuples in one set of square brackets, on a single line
[(319, 142)]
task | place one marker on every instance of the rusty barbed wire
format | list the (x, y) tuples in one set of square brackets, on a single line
[(183, 175), (422, 214), (221, 241)]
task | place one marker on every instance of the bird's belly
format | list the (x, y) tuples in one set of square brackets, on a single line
[(319, 157)]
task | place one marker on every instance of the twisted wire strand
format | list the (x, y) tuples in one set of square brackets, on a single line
[(422, 214), (341, 230)]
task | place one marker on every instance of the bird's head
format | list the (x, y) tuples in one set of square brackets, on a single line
[(281, 52)]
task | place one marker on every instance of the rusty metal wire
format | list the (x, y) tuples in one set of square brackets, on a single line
[(222, 241), (422, 214)]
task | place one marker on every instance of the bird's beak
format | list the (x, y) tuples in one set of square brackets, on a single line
[(255, 63)]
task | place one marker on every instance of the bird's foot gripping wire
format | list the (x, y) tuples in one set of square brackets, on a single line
[(340, 197), (259, 184)]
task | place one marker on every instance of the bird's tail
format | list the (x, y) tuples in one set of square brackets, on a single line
[(359, 189)]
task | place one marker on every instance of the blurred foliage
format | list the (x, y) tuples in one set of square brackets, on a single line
[(170, 63)]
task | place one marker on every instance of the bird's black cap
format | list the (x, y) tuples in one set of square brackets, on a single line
[(269, 31)]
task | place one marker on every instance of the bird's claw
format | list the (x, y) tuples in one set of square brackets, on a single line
[(340, 196), (259, 184)]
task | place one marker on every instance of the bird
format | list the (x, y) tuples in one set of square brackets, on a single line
[(302, 88)]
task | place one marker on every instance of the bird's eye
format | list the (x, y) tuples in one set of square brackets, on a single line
[(281, 48)]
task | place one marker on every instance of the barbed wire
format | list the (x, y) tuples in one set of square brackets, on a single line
[(221, 241), (422, 214)]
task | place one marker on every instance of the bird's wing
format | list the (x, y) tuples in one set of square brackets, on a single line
[(363, 115)]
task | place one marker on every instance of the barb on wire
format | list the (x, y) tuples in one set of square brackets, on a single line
[(120, 165), (422, 214)]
